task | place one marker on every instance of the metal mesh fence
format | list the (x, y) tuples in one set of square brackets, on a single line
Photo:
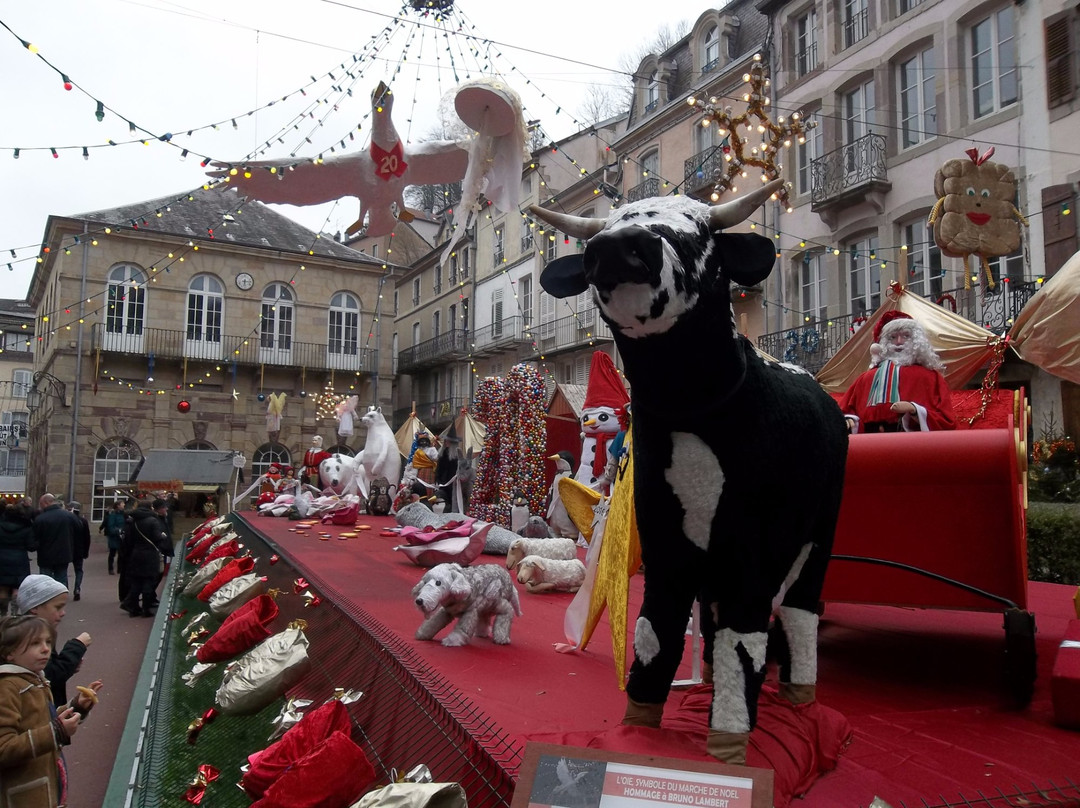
[(408, 715)]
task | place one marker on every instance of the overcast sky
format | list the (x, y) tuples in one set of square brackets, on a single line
[(171, 67)]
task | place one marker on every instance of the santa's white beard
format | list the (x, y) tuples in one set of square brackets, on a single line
[(902, 355)]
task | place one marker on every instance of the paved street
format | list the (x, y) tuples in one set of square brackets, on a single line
[(114, 656)]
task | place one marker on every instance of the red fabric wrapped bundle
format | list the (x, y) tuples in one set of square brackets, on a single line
[(229, 548), (336, 773), (241, 630), (234, 569), (342, 516), (308, 734), (1065, 678), (200, 548)]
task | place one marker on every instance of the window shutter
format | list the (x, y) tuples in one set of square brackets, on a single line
[(1060, 62)]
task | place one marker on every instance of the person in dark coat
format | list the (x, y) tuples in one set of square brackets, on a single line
[(16, 544), (54, 533), (145, 543), (81, 550), (113, 528)]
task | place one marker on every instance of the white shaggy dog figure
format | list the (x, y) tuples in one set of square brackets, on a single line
[(482, 598)]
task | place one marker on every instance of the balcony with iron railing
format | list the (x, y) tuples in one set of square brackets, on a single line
[(806, 60), (846, 175), (505, 335), (649, 188), (856, 27), (812, 344), (214, 346), (701, 170), (570, 333), (446, 347)]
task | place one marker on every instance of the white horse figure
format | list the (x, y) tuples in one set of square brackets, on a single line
[(380, 456)]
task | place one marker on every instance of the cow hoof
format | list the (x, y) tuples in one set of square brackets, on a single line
[(798, 694), (728, 747), (642, 715)]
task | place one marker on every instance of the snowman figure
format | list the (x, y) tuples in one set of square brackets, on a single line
[(605, 404)]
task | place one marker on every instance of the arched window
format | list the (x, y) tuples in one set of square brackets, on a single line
[(710, 57), (652, 91), (276, 325), (125, 308), (265, 455), (205, 312), (343, 344), (342, 449), (114, 462)]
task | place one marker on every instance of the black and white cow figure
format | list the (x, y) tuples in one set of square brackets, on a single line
[(738, 461)]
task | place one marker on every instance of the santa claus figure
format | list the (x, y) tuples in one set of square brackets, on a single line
[(904, 389), (601, 415), (313, 457)]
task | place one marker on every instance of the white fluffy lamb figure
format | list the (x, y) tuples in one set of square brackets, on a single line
[(564, 549), (541, 574)]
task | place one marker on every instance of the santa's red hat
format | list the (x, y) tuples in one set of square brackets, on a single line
[(605, 385), (886, 318)]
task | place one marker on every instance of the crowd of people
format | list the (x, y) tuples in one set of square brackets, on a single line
[(37, 717)]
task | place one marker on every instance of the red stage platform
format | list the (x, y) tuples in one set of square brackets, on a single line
[(921, 689)]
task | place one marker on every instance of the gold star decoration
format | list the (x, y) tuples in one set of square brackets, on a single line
[(766, 135)]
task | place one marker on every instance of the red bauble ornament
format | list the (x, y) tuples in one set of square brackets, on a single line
[(183, 406)]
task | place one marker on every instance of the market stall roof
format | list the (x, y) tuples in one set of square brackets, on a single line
[(183, 470), (567, 400)]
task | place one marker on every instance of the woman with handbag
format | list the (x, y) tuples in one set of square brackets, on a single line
[(145, 544)]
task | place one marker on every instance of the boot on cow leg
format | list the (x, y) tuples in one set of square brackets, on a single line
[(798, 694), (728, 747), (642, 715)]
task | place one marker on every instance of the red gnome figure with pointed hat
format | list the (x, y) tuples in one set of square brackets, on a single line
[(602, 416)]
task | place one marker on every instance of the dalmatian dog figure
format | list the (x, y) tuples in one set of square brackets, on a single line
[(715, 439), (483, 599)]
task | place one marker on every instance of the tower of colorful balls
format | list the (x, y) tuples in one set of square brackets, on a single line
[(512, 409)]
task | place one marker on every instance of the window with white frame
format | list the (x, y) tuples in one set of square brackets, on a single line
[(551, 245), (859, 111), (806, 43), (525, 297), (436, 323), (114, 462), (814, 286), (343, 325), (416, 292), (276, 325), (527, 226), (21, 382), (415, 334), (1007, 269), (586, 310), (924, 273), (265, 455), (710, 56), (547, 320), (918, 99), (14, 428), (810, 149), (205, 310), (864, 276), (464, 268), (993, 63), (707, 140), (498, 246), (436, 280), (856, 21), (652, 91), (12, 462), (125, 310)]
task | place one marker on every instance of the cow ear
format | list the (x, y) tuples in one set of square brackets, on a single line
[(564, 277), (745, 258)]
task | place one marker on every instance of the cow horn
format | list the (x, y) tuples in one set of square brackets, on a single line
[(738, 210), (576, 226)]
